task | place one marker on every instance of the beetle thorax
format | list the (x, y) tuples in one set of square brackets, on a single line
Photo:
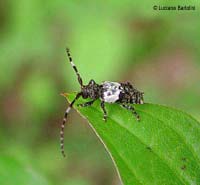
[(91, 90)]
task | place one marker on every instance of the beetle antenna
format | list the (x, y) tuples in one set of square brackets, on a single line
[(74, 67), (63, 124)]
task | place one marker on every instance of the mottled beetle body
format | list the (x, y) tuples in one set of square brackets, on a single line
[(114, 92), (110, 92)]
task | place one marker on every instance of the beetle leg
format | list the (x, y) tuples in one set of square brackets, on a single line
[(104, 111), (132, 109), (86, 104)]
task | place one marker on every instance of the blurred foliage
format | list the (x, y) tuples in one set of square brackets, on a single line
[(20, 173), (118, 40)]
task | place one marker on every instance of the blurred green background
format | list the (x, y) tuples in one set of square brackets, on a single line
[(158, 51)]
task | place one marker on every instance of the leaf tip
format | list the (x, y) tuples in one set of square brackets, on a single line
[(64, 94)]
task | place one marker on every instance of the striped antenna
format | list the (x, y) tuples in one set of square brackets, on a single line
[(63, 124), (74, 67)]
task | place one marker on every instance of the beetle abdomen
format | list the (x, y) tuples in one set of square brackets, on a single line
[(110, 91)]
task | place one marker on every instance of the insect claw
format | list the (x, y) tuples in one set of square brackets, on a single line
[(63, 154), (105, 118)]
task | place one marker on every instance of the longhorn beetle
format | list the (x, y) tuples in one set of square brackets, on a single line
[(110, 92)]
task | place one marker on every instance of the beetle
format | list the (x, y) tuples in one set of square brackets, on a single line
[(108, 92)]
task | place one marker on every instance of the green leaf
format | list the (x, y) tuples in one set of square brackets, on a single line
[(162, 148), (13, 172)]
